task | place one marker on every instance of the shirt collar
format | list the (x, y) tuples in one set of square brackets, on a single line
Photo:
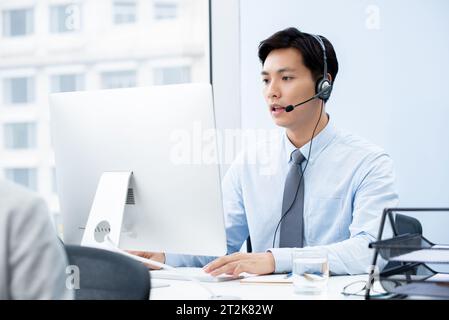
[(320, 142)]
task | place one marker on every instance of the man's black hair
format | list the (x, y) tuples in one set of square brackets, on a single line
[(307, 45)]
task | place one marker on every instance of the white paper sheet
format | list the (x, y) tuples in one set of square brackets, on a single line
[(439, 277), (424, 255)]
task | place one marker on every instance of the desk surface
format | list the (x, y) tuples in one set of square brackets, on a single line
[(188, 290)]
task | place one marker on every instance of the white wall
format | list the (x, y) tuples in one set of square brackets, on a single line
[(391, 87)]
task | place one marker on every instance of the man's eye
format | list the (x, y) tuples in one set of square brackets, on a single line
[(287, 78), (265, 81)]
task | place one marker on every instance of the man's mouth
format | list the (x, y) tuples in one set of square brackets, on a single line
[(276, 109)]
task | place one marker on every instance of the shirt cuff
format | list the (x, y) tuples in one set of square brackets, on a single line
[(282, 259), (172, 260)]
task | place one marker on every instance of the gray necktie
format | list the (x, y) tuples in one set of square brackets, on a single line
[(292, 228)]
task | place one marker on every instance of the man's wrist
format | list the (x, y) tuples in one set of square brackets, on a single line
[(282, 259), (272, 261)]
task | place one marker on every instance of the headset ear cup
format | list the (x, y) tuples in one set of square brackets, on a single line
[(325, 86)]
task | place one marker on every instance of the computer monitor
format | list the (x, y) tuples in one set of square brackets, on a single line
[(154, 133)]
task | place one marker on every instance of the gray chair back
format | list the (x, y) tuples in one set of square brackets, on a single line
[(105, 275)]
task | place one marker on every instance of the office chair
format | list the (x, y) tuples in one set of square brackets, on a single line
[(404, 224), (106, 275)]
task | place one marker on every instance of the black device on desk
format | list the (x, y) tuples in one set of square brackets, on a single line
[(408, 253)]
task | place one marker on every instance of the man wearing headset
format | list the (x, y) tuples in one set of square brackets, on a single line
[(324, 188)]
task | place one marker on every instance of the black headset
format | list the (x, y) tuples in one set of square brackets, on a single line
[(323, 86)]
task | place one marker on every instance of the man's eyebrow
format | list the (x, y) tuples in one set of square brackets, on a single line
[(285, 70), (282, 70)]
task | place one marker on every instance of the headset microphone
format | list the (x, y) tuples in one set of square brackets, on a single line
[(326, 88), (290, 107)]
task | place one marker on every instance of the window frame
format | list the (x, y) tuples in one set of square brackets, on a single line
[(115, 14), (7, 87), (32, 176), (54, 29), (158, 17), (30, 139), (29, 28)]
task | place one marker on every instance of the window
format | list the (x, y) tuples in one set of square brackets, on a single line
[(118, 79), (65, 18), (54, 186), (165, 10), (23, 176), (17, 22), (85, 45), (18, 90), (171, 75), (124, 12), (20, 135), (67, 82)]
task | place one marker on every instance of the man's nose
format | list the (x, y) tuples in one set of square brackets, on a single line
[(273, 90)]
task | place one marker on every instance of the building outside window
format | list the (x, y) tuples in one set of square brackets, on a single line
[(18, 90), (171, 75), (18, 22), (118, 79), (65, 18), (67, 82), (102, 56), (124, 12), (164, 9), (26, 177), (19, 136)]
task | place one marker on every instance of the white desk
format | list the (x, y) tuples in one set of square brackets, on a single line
[(188, 290)]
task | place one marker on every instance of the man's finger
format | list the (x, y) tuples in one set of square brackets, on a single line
[(227, 268), (241, 267), (218, 263), (142, 254)]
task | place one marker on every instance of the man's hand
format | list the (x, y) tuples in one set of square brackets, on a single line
[(236, 263), (156, 256)]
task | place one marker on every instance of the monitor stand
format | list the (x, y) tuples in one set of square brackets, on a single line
[(106, 214)]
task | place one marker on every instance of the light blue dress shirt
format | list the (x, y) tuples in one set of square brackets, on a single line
[(348, 182)]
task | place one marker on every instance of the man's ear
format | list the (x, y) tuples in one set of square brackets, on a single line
[(330, 77)]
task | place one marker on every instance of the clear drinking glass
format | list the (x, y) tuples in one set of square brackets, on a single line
[(310, 270)]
